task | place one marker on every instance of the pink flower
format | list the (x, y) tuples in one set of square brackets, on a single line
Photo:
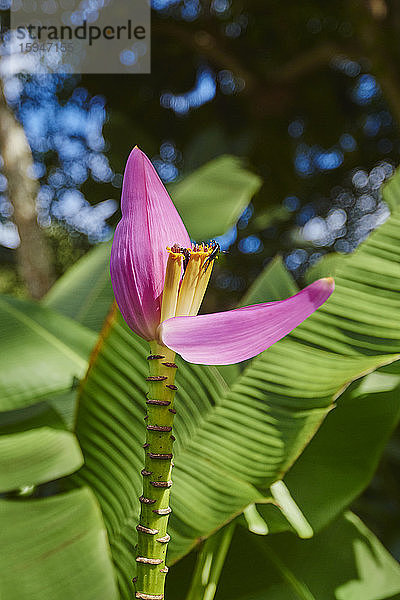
[(159, 280)]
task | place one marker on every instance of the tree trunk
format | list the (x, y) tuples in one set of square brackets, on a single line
[(32, 254)]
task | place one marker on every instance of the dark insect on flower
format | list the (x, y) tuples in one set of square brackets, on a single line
[(216, 249), (186, 257)]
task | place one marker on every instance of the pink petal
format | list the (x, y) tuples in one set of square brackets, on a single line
[(235, 335), (150, 223)]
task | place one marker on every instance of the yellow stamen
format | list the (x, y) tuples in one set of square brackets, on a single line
[(189, 283), (186, 299), (171, 284), (202, 282), (195, 281)]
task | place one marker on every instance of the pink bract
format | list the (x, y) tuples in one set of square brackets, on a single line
[(150, 223), (235, 335)]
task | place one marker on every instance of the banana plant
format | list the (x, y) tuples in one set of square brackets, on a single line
[(267, 458)]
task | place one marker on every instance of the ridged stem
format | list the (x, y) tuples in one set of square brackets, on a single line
[(152, 529)]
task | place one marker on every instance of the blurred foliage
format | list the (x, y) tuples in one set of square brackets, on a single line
[(67, 247), (11, 282)]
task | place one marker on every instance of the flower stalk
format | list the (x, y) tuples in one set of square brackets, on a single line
[(152, 528), (181, 296)]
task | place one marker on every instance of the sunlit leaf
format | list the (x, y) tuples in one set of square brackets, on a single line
[(35, 447), (391, 191)]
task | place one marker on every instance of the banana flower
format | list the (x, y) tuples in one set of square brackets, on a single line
[(159, 280)]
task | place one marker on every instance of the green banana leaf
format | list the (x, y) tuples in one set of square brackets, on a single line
[(42, 352), (345, 561), (55, 548), (340, 460), (84, 292), (36, 456), (35, 447), (371, 402)]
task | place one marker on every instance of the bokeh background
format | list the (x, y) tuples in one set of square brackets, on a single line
[(306, 93)]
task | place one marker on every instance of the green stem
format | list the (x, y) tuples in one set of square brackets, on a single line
[(152, 529), (209, 564)]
